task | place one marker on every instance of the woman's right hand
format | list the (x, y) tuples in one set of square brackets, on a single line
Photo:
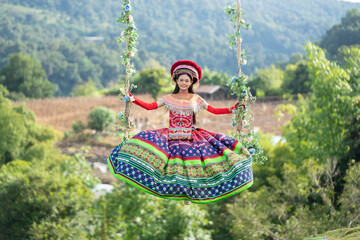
[(123, 92)]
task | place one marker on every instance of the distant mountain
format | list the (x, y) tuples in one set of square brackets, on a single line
[(170, 30)]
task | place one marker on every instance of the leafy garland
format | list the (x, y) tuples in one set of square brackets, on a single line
[(243, 117), (129, 35)]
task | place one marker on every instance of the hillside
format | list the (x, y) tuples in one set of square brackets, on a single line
[(57, 33)]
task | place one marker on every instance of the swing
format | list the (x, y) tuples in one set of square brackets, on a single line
[(181, 162)]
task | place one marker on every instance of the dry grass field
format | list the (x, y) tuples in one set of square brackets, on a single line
[(61, 113)]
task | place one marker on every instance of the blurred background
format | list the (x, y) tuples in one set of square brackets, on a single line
[(60, 74)]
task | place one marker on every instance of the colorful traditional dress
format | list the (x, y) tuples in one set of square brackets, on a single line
[(181, 162)]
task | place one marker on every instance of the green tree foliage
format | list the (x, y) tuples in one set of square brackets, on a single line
[(296, 78), (278, 156), (47, 195), (25, 75), (87, 89), (19, 132), (323, 126), (285, 208), (45, 198), (101, 118), (267, 81), (349, 59), (133, 214), (349, 27), (288, 200), (3, 93), (13, 134), (318, 128), (350, 198), (78, 127), (151, 81), (61, 35), (70, 64), (213, 77), (301, 193), (294, 58)]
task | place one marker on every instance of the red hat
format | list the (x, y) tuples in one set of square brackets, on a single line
[(186, 66)]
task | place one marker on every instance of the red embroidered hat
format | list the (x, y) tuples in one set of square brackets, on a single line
[(186, 66)]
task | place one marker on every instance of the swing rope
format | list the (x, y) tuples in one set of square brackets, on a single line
[(129, 35), (127, 89), (239, 126), (243, 117)]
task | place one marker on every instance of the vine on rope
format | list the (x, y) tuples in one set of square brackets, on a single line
[(238, 84), (129, 35), (232, 37)]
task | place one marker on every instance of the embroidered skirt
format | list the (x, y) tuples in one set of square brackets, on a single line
[(207, 168)]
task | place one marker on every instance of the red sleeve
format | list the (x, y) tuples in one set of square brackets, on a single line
[(147, 106), (219, 110)]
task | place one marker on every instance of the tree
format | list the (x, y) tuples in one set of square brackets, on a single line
[(19, 131), (45, 198), (288, 208), (87, 89), (318, 128), (267, 81), (293, 60), (296, 78), (151, 81), (44, 194), (301, 193), (214, 78), (325, 125), (346, 33), (25, 75), (133, 214)]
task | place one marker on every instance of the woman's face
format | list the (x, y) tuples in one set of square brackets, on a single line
[(184, 82)]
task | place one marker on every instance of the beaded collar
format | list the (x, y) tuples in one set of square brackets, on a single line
[(186, 96), (184, 102)]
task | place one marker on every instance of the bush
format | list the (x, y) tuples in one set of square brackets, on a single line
[(78, 127), (13, 134), (101, 118)]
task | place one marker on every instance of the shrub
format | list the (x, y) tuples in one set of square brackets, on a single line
[(101, 118), (78, 126)]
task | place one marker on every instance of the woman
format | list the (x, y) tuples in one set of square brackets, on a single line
[(181, 162)]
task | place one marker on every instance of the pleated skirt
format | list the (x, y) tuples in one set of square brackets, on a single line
[(209, 167)]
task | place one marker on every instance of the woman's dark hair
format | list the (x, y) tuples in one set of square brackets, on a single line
[(190, 90)]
